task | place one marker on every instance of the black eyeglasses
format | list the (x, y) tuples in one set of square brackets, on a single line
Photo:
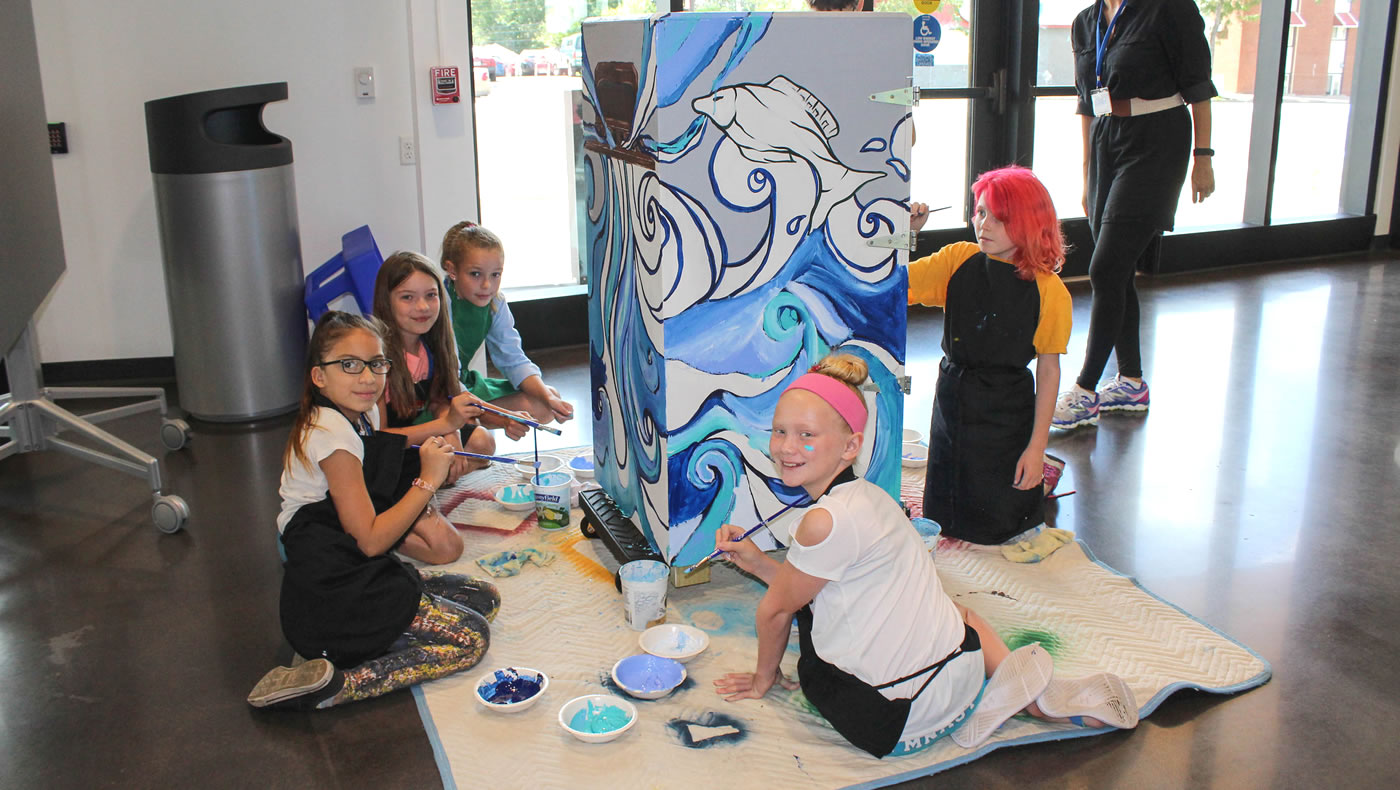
[(379, 366)]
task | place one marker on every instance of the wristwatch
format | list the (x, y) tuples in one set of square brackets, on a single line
[(1203, 152)]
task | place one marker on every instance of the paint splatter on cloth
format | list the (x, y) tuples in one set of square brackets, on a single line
[(509, 563)]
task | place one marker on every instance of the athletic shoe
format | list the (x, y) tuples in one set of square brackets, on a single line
[(1074, 408), (1054, 468), (301, 687), (1103, 696), (1019, 679), (1120, 394)]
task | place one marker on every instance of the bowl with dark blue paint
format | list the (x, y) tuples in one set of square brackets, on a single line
[(645, 676), (511, 689)]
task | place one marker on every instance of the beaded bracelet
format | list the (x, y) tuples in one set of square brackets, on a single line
[(419, 482)]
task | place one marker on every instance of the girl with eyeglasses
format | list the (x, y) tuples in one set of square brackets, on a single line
[(369, 622)]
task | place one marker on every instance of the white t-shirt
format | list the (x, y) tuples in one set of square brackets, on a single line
[(883, 613), (305, 484)]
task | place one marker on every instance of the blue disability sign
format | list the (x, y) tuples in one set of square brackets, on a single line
[(927, 31)]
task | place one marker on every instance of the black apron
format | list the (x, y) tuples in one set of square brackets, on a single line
[(984, 406), (856, 709), (338, 603)]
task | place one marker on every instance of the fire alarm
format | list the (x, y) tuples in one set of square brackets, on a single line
[(445, 86)]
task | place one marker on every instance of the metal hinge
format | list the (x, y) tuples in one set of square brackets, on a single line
[(908, 97), (906, 384), (895, 241)]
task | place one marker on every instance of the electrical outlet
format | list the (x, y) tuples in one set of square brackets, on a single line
[(408, 151)]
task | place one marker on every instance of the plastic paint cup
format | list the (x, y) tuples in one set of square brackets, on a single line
[(552, 499), (644, 584)]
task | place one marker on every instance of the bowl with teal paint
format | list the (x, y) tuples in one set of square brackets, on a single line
[(913, 436), (511, 689), (674, 641), (517, 497), (597, 718), (646, 676)]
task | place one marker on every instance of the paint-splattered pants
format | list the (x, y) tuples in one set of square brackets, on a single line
[(450, 633)]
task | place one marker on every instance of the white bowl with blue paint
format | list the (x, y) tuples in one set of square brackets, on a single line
[(589, 719), (646, 676), (582, 465), (511, 689), (674, 641), (517, 497), (914, 455)]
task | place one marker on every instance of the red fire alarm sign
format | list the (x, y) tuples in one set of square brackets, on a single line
[(445, 87)]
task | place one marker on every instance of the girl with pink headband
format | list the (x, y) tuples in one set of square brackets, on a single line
[(886, 656)]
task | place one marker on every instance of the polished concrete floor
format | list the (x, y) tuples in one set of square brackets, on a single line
[(1261, 494)]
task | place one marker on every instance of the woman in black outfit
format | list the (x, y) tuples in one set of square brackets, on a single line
[(1138, 66)]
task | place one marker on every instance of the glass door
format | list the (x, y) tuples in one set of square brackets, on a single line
[(1294, 170)]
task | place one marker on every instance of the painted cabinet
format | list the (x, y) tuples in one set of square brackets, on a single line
[(737, 170)]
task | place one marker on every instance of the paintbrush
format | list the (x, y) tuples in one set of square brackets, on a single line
[(762, 522), (500, 458), (519, 419)]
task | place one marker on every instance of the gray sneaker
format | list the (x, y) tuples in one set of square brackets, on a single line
[(286, 684)]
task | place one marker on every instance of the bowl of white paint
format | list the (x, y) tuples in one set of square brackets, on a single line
[(911, 435), (674, 641), (548, 463)]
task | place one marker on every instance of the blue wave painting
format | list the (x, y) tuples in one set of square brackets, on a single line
[(728, 221)]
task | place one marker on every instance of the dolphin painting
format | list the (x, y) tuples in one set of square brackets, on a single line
[(783, 122)]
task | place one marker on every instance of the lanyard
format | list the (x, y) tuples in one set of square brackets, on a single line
[(1103, 40)]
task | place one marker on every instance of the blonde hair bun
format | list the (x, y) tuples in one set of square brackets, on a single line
[(846, 368)]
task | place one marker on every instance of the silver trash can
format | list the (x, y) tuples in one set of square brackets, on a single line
[(226, 204)]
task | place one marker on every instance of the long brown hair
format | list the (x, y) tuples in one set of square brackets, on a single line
[(443, 385), (332, 327)]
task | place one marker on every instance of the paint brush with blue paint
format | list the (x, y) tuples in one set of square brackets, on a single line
[(500, 458), (717, 553), (518, 418)]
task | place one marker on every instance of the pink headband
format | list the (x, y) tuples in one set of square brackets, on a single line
[(837, 394)]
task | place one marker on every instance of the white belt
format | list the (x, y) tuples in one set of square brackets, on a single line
[(1148, 106)]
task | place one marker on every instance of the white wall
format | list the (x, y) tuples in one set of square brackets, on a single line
[(101, 61)]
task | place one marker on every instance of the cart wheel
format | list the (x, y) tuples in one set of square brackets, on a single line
[(169, 513), (174, 433), (586, 527)]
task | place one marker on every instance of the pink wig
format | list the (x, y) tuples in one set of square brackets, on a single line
[(1016, 197)]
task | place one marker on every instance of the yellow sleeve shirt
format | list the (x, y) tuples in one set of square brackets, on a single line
[(928, 285), (928, 277), (1052, 333)]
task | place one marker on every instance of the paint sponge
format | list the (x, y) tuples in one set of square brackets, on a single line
[(1042, 545)]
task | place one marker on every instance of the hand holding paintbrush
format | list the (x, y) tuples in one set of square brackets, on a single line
[(717, 553)]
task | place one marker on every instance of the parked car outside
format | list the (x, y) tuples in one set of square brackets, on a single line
[(572, 50)]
